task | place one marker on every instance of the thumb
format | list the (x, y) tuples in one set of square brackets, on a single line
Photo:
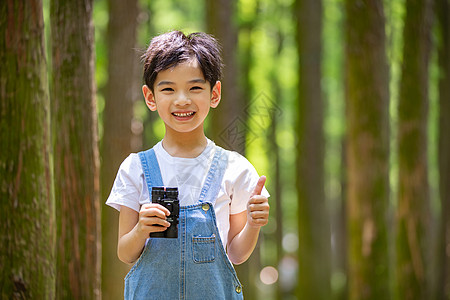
[(259, 186)]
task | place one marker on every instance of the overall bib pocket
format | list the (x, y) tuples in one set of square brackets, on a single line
[(204, 248)]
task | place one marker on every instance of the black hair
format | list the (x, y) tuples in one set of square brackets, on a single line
[(169, 49)]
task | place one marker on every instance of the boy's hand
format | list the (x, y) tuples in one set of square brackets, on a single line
[(258, 206), (150, 216)]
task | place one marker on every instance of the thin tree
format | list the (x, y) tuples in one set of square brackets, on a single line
[(74, 125), (27, 214), (117, 134), (275, 114), (276, 159), (228, 121), (413, 211), (313, 220), (443, 285), (367, 101)]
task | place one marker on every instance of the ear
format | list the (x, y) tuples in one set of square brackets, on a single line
[(149, 98), (215, 94)]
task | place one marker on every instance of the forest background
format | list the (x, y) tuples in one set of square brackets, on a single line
[(343, 104)]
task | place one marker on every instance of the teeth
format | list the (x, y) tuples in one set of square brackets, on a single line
[(183, 114)]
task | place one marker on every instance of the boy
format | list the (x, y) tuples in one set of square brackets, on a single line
[(223, 203)]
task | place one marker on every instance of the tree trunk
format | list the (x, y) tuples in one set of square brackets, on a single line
[(277, 186), (149, 138), (74, 125), (117, 133), (367, 101), (443, 286), (413, 211), (313, 220), (27, 214), (227, 122), (276, 197), (341, 230)]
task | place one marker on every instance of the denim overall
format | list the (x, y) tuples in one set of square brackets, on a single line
[(195, 265)]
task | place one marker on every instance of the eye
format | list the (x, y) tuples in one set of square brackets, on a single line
[(167, 89), (196, 88)]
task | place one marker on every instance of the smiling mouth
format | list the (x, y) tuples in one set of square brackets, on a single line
[(181, 115)]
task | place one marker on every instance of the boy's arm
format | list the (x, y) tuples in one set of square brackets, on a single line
[(135, 228), (245, 226)]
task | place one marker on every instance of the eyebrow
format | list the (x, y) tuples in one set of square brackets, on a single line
[(199, 80), (166, 82)]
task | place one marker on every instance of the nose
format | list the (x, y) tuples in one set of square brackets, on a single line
[(182, 100)]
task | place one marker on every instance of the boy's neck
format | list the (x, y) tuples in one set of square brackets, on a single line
[(187, 145)]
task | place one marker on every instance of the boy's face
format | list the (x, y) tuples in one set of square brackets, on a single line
[(182, 97)]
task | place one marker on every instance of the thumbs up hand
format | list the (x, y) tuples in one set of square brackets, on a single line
[(258, 206)]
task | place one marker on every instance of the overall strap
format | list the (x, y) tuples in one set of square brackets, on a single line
[(151, 170), (214, 177)]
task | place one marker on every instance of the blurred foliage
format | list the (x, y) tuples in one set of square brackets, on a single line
[(260, 23)]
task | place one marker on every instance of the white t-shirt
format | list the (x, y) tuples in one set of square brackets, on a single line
[(188, 174)]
